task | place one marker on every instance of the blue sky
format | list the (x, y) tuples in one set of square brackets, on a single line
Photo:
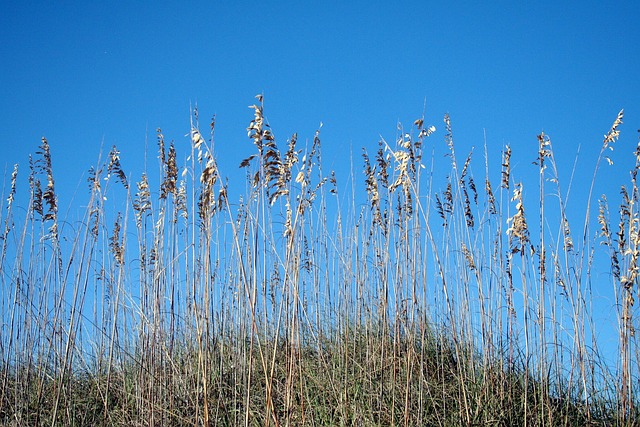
[(93, 74), (85, 74)]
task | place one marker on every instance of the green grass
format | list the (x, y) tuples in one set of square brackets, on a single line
[(401, 299)]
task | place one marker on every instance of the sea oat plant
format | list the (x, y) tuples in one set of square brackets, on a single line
[(405, 295)]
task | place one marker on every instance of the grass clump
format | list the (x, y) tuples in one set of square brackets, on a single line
[(303, 302)]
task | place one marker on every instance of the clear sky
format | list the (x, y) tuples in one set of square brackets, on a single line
[(85, 74), (92, 74)]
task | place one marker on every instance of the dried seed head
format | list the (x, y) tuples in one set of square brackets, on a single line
[(196, 138), (12, 193), (208, 178), (448, 138), (288, 227), (558, 275), (474, 190), (334, 183), (448, 197), (613, 133), (427, 131), (372, 188), (440, 209), (36, 189), (625, 217), (142, 201), (543, 149), (468, 214), (170, 170), (603, 213), (518, 231), (566, 232), (222, 197), (115, 244), (506, 168), (161, 151), (468, 256), (115, 168), (383, 165), (491, 200), (465, 168)]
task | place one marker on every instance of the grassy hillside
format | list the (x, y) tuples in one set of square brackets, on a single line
[(400, 299)]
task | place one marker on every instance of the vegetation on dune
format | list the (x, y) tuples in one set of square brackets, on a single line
[(430, 303)]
